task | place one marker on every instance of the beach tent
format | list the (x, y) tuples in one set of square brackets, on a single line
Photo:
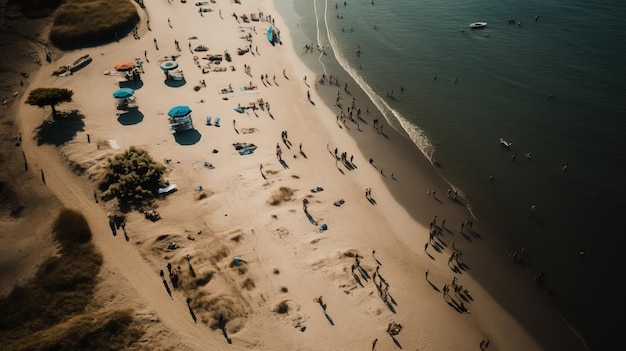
[(168, 65), (180, 119), (270, 35), (124, 66), (123, 93), (179, 111)]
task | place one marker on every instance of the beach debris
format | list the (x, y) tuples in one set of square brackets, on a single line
[(245, 148), (394, 328)]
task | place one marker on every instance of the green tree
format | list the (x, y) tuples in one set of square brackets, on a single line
[(132, 176), (49, 97)]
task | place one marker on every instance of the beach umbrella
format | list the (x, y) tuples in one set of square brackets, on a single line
[(168, 65), (179, 111), (123, 93), (124, 66)]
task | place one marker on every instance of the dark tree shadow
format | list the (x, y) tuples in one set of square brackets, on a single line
[(188, 137), (130, 117), (61, 129)]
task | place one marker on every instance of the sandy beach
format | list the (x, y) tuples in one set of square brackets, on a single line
[(247, 235)]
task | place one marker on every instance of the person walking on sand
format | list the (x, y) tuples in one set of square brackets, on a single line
[(374, 344)]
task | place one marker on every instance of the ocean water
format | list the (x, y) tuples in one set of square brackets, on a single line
[(494, 83)]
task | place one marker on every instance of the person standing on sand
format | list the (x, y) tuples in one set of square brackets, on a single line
[(374, 344)]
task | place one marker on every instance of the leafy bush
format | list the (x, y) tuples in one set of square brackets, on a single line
[(49, 97), (132, 176)]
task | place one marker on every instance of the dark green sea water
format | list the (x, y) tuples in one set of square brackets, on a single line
[(574, 50)]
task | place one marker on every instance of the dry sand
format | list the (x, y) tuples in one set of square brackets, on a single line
[(269, 302)]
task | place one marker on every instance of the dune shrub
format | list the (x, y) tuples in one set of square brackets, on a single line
[(78, 23), (132, 176)]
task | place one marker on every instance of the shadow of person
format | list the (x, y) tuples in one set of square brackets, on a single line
[(466, 237), (395, 341), (167, 287), (358, 280), (433, 285), (222, 325), (193, 315), (330, 320)]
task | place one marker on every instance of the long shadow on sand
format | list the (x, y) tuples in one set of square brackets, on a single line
[(395, 341), (61, 130), (135, 85), (189, 137), (175, 83), (130, 117)]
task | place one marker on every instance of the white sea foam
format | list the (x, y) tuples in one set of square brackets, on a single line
[(393, 117)]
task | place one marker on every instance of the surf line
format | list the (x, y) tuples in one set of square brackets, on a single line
[(317, 26)]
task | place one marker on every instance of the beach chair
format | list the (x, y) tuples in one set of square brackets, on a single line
[(208, 120), (217, 121)]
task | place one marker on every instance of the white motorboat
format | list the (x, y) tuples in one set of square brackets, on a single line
[(505, 143), (478, 25)]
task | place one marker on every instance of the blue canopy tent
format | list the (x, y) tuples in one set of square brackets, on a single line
[(180, 119), (270, 35), (179, 111), (168, 65), (123, 93)]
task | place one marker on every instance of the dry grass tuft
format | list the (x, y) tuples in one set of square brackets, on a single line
[(202, 194), (283, 194), (248, 284), (282, 307)]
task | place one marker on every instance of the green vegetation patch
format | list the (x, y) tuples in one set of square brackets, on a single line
[(132, 176), (79, 23), (48, 313)]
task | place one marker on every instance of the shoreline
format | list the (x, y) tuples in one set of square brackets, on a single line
[(244, 189), (493, 253)]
